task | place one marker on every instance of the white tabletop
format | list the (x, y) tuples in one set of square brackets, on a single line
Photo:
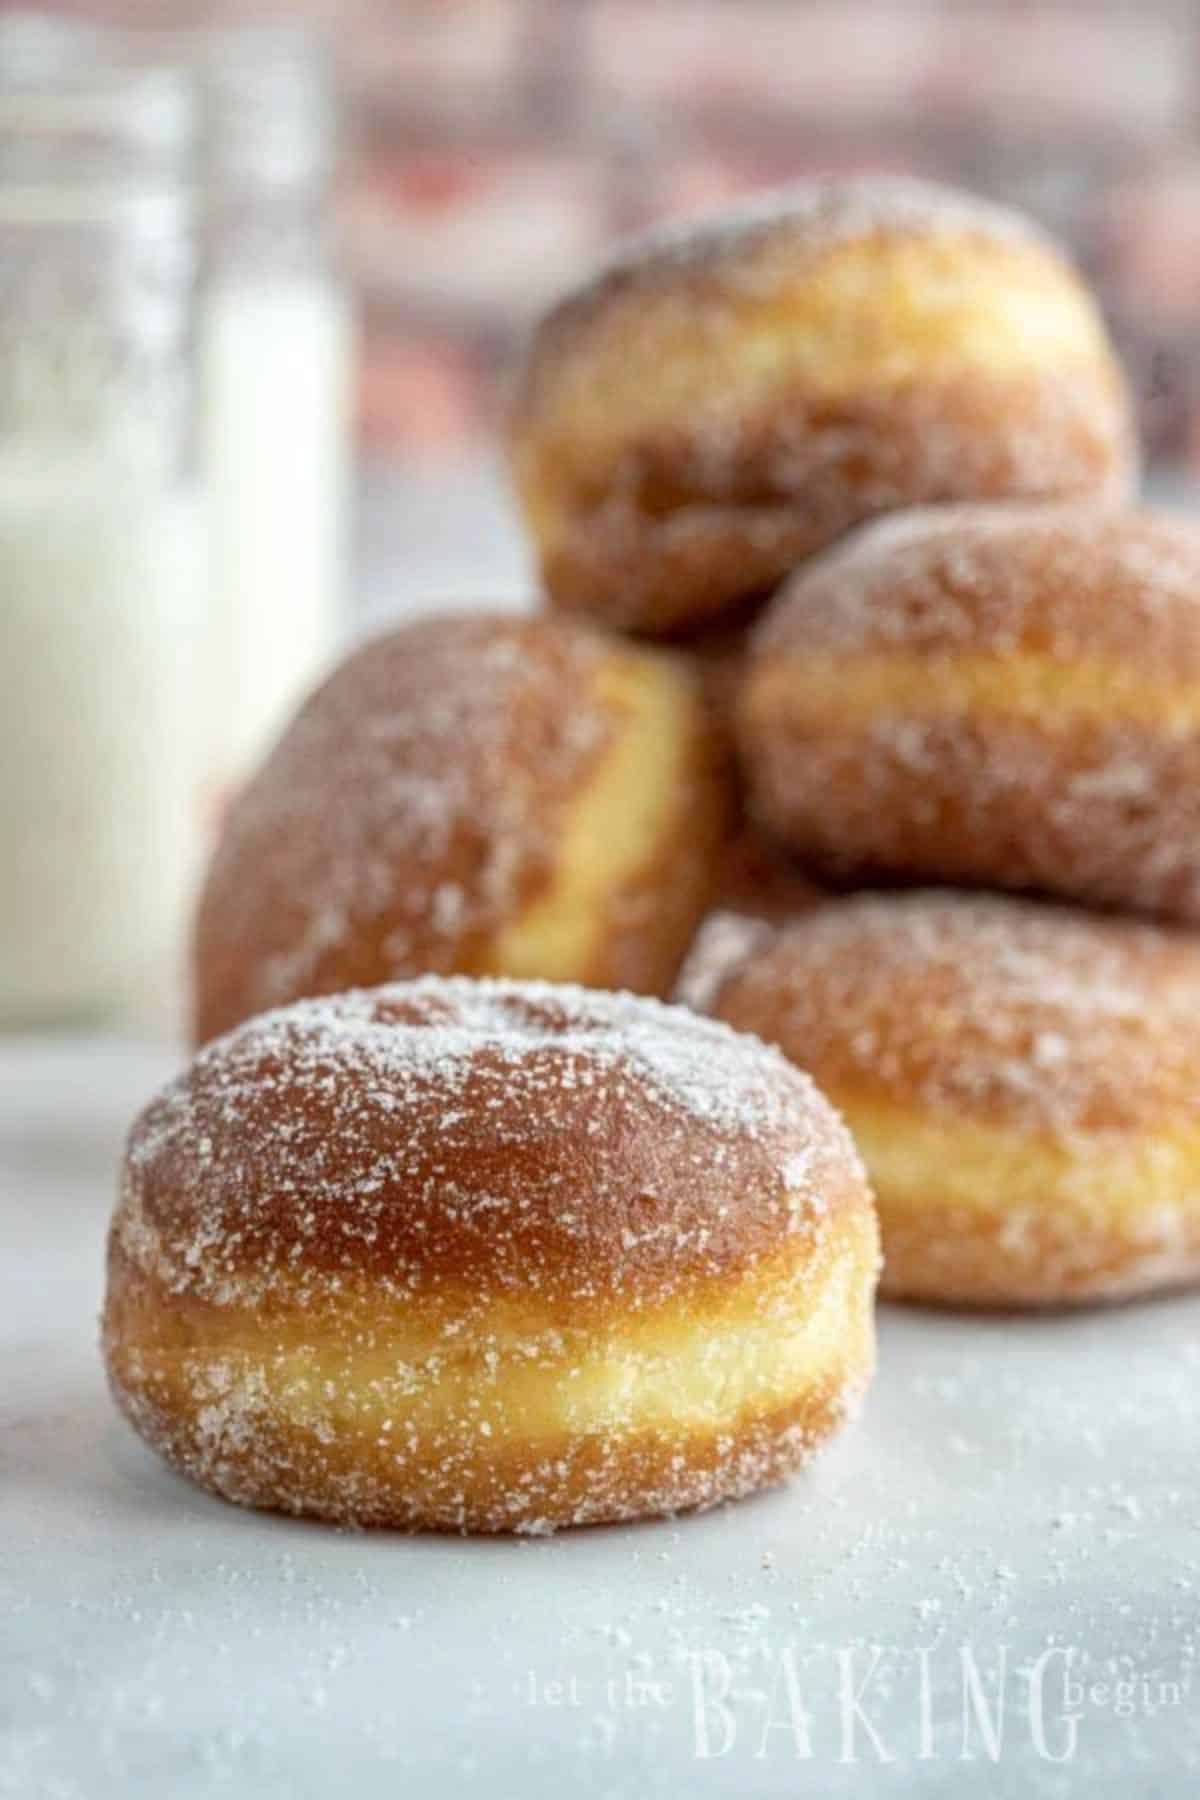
[(1018, 1491)]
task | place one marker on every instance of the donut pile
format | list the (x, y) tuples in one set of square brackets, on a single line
[(452, 1223)]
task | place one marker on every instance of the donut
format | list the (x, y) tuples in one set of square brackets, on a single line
[(1022, 1079), (1006, 697), (488, 1256), (476, 795), (730, 396)]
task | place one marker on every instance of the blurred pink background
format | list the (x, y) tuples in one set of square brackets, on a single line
[(495, 147)]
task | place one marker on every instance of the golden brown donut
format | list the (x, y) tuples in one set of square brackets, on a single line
[(1022, 1080), (1003, 696), (730, 396), (483, 795), (489, 1256)]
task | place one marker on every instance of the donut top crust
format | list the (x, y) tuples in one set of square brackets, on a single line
[(803, 219), (1070, 583), (409, 809), (1005, 1011), (497, 1137)]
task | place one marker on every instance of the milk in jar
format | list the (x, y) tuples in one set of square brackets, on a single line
[(101, 584)]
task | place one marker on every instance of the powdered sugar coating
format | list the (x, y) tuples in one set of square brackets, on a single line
[(816, 213), (421, 801), (733, 394), (1066, 582), (1042, 1018), (408, 807), (515, 1135), (1006, 697)]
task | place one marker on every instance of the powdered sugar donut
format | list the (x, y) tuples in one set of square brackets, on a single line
[(732, 395), (488, 1256), (473, 794), (1001, 696), (1023, 1082)]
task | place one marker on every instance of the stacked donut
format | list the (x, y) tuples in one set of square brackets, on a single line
[(1003, 697), (865, 451), (436, 1232)]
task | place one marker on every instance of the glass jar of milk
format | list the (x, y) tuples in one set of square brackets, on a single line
[(276, 366), (98, 576)]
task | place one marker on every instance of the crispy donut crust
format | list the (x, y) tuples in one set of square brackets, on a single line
[(1005, 697), (427, 811), (488, 1256), (1022, 1080), (731, 397)]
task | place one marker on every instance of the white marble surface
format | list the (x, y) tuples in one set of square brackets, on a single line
[(1023, 1489)]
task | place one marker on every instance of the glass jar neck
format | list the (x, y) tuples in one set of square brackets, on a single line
[(266, 229), (269, 151)]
